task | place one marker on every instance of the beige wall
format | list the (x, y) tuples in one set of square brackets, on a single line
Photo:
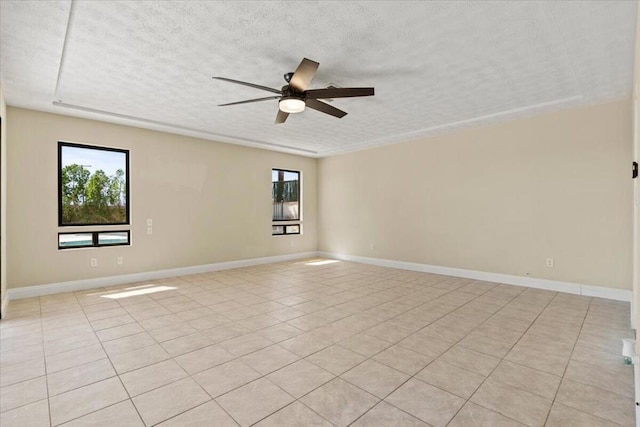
[(210, 202), (3, 202), (498, 199)]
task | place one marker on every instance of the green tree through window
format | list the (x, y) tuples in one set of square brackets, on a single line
[(93, 185)]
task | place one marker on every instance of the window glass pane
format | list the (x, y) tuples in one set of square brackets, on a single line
[(293, 229), (93, 187), (75, 240), (113, 238), (277, 229), (285, 195)]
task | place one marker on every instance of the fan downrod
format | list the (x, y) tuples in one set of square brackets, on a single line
[(288, 77)]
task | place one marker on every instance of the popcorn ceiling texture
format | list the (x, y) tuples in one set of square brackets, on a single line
[(436, 66)]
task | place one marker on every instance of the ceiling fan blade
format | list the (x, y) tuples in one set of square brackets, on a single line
[(281, 117), (250, 100), (339, 92), (325, 108), (303, 75), (248, 84)]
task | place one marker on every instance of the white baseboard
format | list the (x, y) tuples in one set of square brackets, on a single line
[(4, 304), (79, 285), (532, 282), (552, 285)]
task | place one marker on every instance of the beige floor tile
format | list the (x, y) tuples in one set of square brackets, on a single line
[(300, 378), (429, 346), (294, 415), (485, 345), (600, 403), (620, 382), (539, 357), (402, 320), (245, 344), (111, 322), (69, 359), (60, 345), (564, 416), (32, 415), (170, 400), (208, 322), (375, 378), (23, 393), (81, 401), (167, 333), (152, 376), (265, 397), (202, 415), (104, 314), (79, 376), (22, 355), (444, 332), (19, 372), (186, 344), (365, 345), (269, 359), (285, 314), (339, 402), (260, 321), (451, 378), (225, 377), (385, 415), (470, 360), (472, 415), (161, 322), (127, 344), (305, 344), (120, 414), (125, 362), (336, 359), (225, 332), (279, 332), (119, 331), (528, 379), (333, 332), (403, 359), (205, 358), (432, 405), (387, 332), (512, 402), (308, 322)]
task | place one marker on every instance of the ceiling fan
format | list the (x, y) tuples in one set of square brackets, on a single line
[(294, 96)]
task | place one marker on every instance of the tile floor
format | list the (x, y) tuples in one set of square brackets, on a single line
[(293, 344)]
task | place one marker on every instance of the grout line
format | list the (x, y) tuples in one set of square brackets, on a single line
[(555, 396)]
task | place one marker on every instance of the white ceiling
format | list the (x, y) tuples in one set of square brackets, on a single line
[(436, 66)]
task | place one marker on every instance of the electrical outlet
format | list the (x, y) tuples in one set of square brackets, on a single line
[(149, 230), (149, 222), (549, 262), (291, 244), (372, 246), (119, 260), (94, 262)]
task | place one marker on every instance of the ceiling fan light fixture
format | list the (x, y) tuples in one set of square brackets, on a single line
[(291, 105)]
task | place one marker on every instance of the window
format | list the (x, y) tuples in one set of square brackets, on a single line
[(279, 230), (93, 185), (285, 197), (93, 239)]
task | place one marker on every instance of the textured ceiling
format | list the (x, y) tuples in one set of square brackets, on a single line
[(436, 66)]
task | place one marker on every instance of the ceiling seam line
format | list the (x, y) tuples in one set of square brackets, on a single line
[(178, 127), (64, 50)]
